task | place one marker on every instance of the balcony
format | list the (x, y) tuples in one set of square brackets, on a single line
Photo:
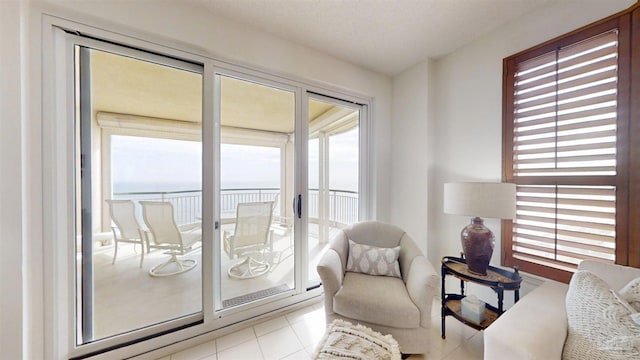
[(114, 283)]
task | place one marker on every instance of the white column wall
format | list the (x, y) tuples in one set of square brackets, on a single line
[(410, 152), (11, 165)]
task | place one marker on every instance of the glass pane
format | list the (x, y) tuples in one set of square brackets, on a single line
[(333, 175), (256, 173), (139, 183)]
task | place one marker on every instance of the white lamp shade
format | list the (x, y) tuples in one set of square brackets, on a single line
[(488, 200)]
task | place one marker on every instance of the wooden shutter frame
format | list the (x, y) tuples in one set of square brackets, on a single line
[(627, 157), (634, 153)]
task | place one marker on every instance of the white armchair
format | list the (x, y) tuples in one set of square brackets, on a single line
[(390, 305)]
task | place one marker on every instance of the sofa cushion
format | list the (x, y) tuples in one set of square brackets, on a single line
[(533, 328), (373, 260), (599, 322), (382, 300), (631, 293)]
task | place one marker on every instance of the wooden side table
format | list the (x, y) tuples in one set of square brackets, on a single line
[(497, 279)]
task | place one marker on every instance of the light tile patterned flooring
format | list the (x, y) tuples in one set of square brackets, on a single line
[(295, 335)]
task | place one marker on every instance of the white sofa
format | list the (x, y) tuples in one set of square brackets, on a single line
[(536, 326)]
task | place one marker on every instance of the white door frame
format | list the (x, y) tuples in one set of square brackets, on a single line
[(58, 194)]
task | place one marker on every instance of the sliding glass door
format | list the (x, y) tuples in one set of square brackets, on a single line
[(138, 141), (257, 132), (334, 159), (189, 196)]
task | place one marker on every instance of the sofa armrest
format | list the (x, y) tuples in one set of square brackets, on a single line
[(616, 276), (422, 285), (533, 328)]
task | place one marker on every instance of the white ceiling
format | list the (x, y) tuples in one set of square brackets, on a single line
[(387, 36)]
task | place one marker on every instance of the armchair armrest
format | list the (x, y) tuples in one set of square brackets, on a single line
[(331, 269), (422, 283), (331, 274)]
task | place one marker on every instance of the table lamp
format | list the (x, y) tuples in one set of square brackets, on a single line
[(479, 199)]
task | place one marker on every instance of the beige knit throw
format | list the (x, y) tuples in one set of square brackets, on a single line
[(344, 340)]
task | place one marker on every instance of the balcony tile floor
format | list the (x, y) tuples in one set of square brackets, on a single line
[(294, 336)]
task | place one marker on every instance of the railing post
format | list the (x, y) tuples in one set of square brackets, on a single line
[(333, 200)]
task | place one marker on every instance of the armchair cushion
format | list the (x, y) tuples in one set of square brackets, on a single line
[(373, 260), (381, 300)]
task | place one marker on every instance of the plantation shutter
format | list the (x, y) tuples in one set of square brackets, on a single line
[(565, 111), (559, 226), (563, 154)]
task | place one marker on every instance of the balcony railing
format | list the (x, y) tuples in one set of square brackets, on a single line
[(343, 204), (187, 204)]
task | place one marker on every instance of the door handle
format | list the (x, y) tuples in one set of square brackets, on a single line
[(297, 206)]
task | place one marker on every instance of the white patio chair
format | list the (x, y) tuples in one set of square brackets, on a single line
[(126, 229), (165, 234), (252, 233)]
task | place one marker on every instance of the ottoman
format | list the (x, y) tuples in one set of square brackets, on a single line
[(344, 340)]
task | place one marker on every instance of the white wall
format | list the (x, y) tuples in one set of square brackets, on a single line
[(463, 121), (468, 106), (11, 118), (410, 146), (22, 323)]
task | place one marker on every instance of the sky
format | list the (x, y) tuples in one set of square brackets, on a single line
[(165, 164), (343, 171)]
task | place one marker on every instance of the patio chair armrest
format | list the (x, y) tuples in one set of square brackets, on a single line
[(270, 240), (191, 226), (227, 243)]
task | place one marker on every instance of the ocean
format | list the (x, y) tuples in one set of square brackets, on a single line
[(133, 187)]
